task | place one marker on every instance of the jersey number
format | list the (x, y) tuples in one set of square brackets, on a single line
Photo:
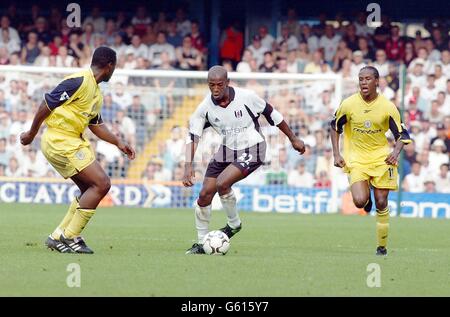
[(391, 172), (245, 159)]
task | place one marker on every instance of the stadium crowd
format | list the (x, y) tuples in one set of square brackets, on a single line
[(168, 42)]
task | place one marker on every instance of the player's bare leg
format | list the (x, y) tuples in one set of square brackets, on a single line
[(98, 184), (226, 179), (381, 202), (361, 195), (53, 241)]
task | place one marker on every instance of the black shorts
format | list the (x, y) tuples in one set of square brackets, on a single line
[(247, 160)]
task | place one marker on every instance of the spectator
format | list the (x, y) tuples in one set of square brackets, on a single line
[(443, 179), (314, 66), (188, 58), (109, 108), (140, 21), (414, 182), (231, 44), (7, 43), (257, 50), (310, 38), (64, 59), (395, 45), (381, 63), (31, 49), (430, 185), (288, 37), (342, 53), (434, 114), (244, 64), (441, 135), (323, 181), (14, 169), (161, 45), (5, 24), (410, 53), (300, 177), (358, 63), (438, 155), (183, 23), (267, 40), (198, 41), (96, 19)]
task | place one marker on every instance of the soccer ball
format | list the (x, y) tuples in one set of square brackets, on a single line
[(216, 243)]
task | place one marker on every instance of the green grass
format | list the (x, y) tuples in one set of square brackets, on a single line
[(140, 252)]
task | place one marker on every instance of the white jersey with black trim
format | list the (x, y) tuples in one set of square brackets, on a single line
[(237, 123)]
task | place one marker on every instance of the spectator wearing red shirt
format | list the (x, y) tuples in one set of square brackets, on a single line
[(231, 44), (395, 46)]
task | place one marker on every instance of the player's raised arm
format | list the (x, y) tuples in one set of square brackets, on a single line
[(101, 131)]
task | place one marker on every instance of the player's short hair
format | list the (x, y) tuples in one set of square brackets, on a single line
[(103, 56), (375, 72)]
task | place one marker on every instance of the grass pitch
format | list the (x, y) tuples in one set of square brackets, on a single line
[(140, 252)]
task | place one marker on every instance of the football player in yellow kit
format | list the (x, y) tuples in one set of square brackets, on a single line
[(364, 118), (71, 107)]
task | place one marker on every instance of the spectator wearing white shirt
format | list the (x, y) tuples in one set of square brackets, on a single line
[(97, 20), (12, 32), (445, 62), (329, 42), (161, 45), (286, 36), (417, 76), (357, 64), (137, 47), (434, 114), (414, 182), (267, 40), (422, 57), (381, 63), (120, 96), (244, 65), (311, 39), (10, 45), (300, 177), (440, 80), (63, 59), (119, 46), (443, 179), (34, 163), (438, 155), (22, 124), (385, 90), (14, 169), (257, 50), (430, 91)]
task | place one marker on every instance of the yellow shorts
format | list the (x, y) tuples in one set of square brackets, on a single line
[(383, 177), (69, 155)]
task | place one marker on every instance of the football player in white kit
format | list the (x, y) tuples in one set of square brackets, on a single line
[(233, 113)]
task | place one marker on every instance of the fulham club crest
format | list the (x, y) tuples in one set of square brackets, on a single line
[(238, 113)]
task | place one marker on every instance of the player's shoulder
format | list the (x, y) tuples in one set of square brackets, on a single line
[(243, 92), (386, 103), (75, 80), (352, 100)]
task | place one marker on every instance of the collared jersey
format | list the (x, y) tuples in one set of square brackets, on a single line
[(75, 103), (237, 123), (364, 125)]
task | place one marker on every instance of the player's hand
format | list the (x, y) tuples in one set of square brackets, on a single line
[(26, 138), (127, 149), (188, 177), (392, 159), (298, 145), (339, 161)]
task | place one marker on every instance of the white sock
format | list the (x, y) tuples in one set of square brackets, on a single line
[(229, 205), (202, 217)]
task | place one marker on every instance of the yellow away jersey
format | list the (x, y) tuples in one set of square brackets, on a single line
[(364, 125), (75, 103)]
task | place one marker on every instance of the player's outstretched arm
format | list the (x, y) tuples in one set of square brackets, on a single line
[(42, 113), (297, 144), (102, 132)]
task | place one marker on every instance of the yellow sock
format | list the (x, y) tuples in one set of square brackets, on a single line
[(79, 221), (66, 220), (382, 226)]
